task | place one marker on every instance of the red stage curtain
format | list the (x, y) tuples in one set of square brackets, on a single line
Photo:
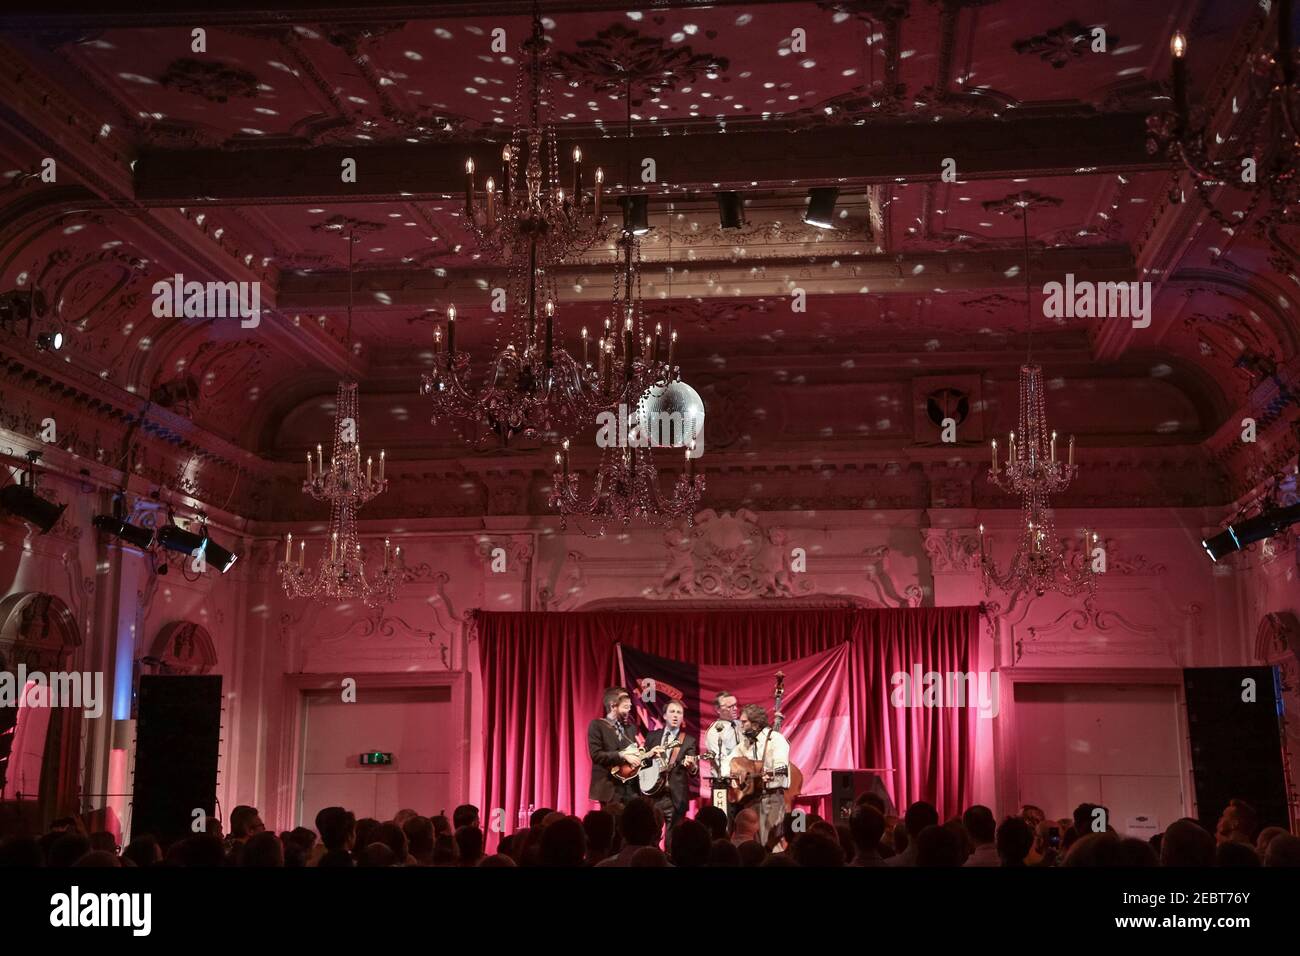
[(544, 673)]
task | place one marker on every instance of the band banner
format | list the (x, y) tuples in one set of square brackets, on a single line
[(816, 704)]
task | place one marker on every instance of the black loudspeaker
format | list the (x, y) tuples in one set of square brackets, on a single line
[(1236, 743), (848, 785), (177, 746)]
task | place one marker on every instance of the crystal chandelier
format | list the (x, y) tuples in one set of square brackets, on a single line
[(1034, 472), (627, 483), (1271, 144), (533, 387), (340, 574)]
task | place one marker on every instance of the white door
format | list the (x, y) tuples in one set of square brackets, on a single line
[(1117, 745), (410, 723)]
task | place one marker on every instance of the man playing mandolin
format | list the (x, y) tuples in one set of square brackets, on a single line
[(611, 744), (762, 760)]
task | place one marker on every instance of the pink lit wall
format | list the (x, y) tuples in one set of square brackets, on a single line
[(1160, 606)]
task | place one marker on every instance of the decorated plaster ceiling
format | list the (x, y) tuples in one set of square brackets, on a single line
[(919, 276)]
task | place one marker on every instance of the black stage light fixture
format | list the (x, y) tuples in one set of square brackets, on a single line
[(217, 555), (821, 206), (731, 209), (1237, 536), (175, 538), (22, 501), (49, 341), (636, 214), (142, 538)]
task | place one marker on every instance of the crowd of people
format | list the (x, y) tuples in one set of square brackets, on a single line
[(634, 835)]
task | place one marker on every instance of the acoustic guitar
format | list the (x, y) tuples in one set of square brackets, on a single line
[(747, 774)]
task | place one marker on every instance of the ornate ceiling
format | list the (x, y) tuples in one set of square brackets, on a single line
[(223, 165)]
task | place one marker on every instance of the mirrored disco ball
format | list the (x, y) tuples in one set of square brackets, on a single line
[(673, 416)]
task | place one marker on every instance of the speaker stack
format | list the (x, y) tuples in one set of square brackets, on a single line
[(1236, 742), (177, 747)]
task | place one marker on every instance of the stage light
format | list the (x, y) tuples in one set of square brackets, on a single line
[(731, 213), (142, 538), (21, 500), (175, 538), (821, 206), (1237, 536), (49, 341), (31, 507), (216, 555), (636, 215)]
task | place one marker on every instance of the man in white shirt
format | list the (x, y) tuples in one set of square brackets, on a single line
[(723, 737), (759, 742)]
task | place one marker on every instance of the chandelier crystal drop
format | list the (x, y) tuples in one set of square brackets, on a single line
[(533, 388)]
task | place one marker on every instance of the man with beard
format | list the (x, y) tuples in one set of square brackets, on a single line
[(611, 743)]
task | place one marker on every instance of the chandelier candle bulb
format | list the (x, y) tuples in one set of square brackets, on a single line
[(370, 461), (1070, 453), (600, 180), (437, 339), (302, 554), (381, 465), (1053, 448), (1011, 448), (491, 188), (585, 363), (550, 323), (672, 341), (1285, 48), (386, 554), (320, 460), (451, 331), (690, 448), (334, 546), (1178, 47), (577, 175), (627, 350), (288, 547), (506, 185), (654, 354), (995, 459), (309, 467), (469, 190)]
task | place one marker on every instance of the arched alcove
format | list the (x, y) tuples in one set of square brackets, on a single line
[(182, 647), (40, 747)]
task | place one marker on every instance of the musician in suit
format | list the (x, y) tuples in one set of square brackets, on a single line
[(723, 737), (682, 767), (611, 742), (760, 742)]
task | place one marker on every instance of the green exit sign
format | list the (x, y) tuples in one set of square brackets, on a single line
[(374, 758)]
